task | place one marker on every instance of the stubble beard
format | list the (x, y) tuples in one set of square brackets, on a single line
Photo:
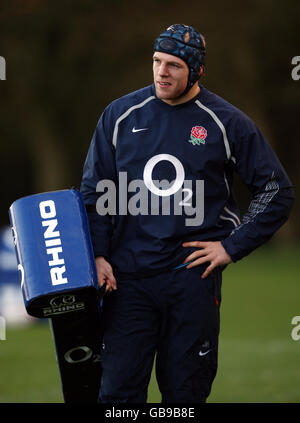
[(171, 97)]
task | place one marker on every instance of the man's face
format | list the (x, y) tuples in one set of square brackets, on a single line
[(170, 76)]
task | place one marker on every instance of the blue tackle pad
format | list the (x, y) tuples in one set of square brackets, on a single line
[(59, 282)]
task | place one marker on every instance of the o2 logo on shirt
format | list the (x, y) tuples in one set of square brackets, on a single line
[(166, 198)]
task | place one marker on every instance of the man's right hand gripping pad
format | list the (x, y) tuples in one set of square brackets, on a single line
[(59, 281)]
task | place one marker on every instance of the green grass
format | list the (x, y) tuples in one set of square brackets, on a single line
[(258, 359), (29, 371)]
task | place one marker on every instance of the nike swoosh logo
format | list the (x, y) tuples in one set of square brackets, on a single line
[(204, 353), (138, 130)]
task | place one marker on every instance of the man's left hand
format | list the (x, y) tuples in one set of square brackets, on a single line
[(210, 251)]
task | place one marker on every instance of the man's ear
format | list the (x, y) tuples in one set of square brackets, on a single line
[(201, 71)]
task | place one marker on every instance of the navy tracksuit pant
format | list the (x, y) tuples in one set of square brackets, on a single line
[(175, 315)]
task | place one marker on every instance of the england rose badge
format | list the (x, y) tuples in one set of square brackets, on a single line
[(198, 135)]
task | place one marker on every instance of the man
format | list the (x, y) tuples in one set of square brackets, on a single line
[(157, 185)]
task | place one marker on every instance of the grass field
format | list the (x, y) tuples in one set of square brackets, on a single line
[(258, 360)]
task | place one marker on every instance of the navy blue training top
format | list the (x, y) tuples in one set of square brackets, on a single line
[(157, 175)]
